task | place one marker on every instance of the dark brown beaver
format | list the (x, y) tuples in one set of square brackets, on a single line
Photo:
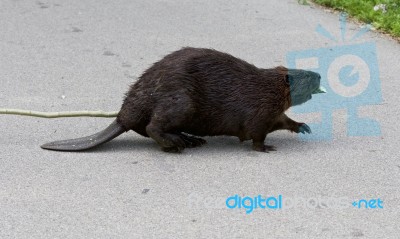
[(205, 92)]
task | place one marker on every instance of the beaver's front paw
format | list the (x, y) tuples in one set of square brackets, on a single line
[(304, 128)]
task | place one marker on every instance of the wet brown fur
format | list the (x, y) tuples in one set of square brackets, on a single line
[(205, 92)]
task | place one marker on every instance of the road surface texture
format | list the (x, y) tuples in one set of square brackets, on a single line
[(82, 55)]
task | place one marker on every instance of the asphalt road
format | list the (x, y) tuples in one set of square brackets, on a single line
[(82, 55)]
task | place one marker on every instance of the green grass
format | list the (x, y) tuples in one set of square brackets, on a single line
[(387, 21)]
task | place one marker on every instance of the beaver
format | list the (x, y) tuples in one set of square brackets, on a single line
[(196, 92)]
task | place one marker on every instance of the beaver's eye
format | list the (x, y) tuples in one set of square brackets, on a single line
[(288, 79)]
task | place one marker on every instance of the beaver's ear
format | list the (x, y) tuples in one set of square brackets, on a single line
[(282, 68)]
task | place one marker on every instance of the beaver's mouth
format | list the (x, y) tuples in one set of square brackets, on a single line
[(319, 90)]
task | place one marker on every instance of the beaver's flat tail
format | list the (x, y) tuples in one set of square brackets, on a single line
[(112, 131)]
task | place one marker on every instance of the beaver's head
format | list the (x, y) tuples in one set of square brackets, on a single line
[(302, 85)]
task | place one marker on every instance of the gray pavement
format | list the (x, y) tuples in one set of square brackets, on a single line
[(83, 55)]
